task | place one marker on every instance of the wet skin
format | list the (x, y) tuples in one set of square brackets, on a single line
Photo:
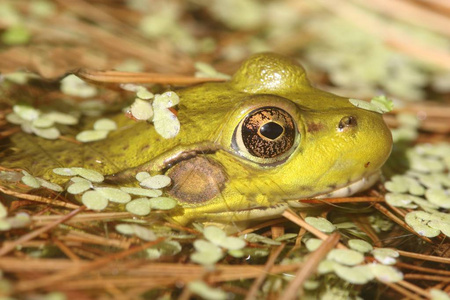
[(246, 147)]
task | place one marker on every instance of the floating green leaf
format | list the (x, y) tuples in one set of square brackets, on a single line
[(140, 207), (205, 291), (42, 122), (79, 187), (141, 176), (360, 245), (74, 86), (94, 200), (156, 182), (162, 203), (61, 118), (206, 253), (439, 295), (166, 123), (354, 275), (312, 244), (385, 256), (125, 229), (50, 185), (321, 224), (64, 171), (144, 233), (3, 211), (89, 174), (141, 109), (30, 181), (114, 195), (439, 197), (92, 135), (141, 192), (379, 104), (26, 112), (105, 124), (256, 238), (166, 100), (346, 257), (50, 133), (385, 273), (144, 94), (214, 234)]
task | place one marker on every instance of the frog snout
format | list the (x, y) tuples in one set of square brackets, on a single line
[(374, 142)]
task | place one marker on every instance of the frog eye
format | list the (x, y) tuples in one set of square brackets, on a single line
[(347, 122), (266, 133)]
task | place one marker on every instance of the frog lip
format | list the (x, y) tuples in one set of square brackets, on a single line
[(351, 188)]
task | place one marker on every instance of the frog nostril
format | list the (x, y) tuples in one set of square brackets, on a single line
[(347, 122)]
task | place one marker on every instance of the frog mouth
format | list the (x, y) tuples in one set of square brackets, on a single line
[(267, 212), (353, 187)]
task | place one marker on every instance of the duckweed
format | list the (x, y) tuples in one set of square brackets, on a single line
[(312, 244), (360, 245), (385, 256), (141, 191), (29, 180), (105, 124), (205, 291), (79, 187), (156, 182), (162, 203), (87, 136), (49, 185), (94, 200), (321, 224), (140, 207), (72, 85), (218, 237), (346, 257), (379, 104), (113, 194), (141, 176), (141, 110), (386, 273), (206, 253), (88, 174), (354, 275), (133, 229)]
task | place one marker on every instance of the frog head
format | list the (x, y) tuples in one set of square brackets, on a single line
[(273, 139)]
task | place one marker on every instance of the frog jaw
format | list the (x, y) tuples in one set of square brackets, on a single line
[(354, 187), (270, 211)]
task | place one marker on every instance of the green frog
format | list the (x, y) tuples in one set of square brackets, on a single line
[(247, 148)]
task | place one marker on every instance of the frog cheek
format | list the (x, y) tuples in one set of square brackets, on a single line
[(196, 180)]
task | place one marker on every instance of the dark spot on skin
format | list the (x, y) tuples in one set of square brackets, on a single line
[(367, 164), (332, 186), (68, 160), (124, 148), (145, 148), (314, 127)]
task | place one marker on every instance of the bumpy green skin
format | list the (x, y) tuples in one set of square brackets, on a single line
[(325, 159)]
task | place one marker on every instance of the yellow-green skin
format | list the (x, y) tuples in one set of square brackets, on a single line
[(326, 158)]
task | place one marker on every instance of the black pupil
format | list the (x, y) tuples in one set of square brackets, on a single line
[(271, 130)]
